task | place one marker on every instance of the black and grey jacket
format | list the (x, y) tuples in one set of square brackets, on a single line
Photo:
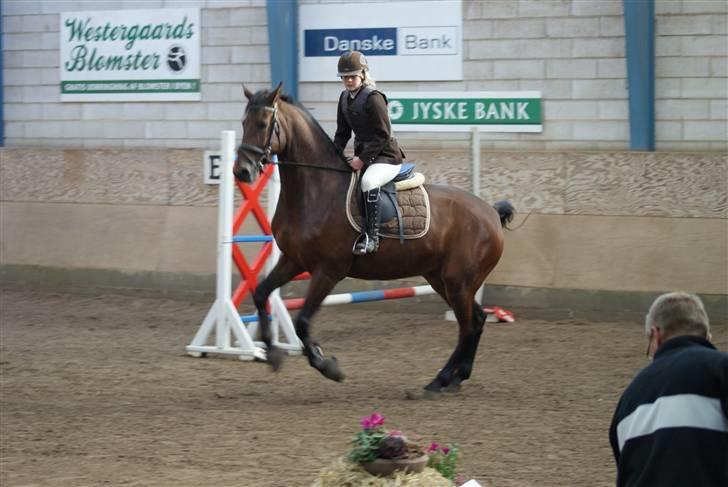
[(670, 427), (366, 114)]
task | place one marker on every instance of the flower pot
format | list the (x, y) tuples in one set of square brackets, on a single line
[(384, 466)]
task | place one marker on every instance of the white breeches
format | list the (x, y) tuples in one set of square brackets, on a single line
[(379, 174)]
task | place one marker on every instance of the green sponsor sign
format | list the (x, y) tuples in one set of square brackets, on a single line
[(130, 55), (489, 111)]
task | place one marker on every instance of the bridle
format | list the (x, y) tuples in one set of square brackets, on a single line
[(265, 155)]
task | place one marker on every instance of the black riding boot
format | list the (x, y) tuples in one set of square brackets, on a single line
[(368, 242)]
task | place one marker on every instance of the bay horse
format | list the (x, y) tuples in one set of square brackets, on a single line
[(462, 246)]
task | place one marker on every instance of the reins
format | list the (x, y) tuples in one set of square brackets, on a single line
[(265, 154), (312, 166)]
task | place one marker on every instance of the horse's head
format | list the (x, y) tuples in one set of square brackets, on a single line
[(261, 134)]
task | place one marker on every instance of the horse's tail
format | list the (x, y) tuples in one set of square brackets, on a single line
[(505, 211)]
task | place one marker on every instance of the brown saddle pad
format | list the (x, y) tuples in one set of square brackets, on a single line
[(414, 207)]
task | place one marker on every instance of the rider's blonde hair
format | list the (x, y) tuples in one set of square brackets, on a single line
[(366, 79)]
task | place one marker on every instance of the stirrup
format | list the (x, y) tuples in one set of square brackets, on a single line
[(364, 245), (360, 244)]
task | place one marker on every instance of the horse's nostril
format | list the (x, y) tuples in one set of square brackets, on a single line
[(244, 175)]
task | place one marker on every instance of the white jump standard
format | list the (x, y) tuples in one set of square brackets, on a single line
[(223, 319)]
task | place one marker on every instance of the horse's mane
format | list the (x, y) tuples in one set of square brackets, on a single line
[(260, 99)]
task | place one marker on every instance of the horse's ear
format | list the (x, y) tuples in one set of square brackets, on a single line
[(276, 93), (247, 92)]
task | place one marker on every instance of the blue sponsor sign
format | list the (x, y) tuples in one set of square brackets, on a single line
[(394, 35), (334, 42)]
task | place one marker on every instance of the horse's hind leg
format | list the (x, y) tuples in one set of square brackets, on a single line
[(478, 317), (461, 300), (471, 348), (478, 323), (282, 272)]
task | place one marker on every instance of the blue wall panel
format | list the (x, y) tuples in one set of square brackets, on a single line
[(283, 41), (2, 88), (639, 27)]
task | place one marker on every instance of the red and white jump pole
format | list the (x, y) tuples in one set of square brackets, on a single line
[(495, 314)]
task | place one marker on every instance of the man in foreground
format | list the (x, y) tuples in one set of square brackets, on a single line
[(670, 427)]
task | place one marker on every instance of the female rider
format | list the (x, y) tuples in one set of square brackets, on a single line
[(363, 110)]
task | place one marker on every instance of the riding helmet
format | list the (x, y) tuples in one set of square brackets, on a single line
[(352, 63)]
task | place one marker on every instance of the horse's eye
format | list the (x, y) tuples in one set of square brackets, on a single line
[(262, 125)]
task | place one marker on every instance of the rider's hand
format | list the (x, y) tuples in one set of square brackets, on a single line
[(356, 163)]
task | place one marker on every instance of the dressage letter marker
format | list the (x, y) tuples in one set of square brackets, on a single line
[(211, 167)]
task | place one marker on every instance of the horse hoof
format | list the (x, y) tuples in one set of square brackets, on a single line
[(275, 357), (452, 388), (420, 394), (431, 395), (330, 369)]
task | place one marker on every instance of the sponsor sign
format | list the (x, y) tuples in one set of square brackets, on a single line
[(128, 55), (403, 41), (334, 42), (490, 111)]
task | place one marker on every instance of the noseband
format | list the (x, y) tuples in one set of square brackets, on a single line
[(264, 155)]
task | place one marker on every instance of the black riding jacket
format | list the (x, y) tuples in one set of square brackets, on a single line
[(670, 427), (366, 114)]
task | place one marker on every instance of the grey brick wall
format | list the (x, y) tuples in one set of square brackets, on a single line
[(573, 51), (692, 77), (234, 49)]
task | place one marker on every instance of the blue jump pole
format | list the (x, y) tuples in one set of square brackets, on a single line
[(252, 238)]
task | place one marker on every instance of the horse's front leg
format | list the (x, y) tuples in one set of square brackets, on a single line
[(320, 287), (284, 270)]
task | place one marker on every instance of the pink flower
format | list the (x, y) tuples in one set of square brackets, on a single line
[(433, 447), (373, 421), (445, 450)]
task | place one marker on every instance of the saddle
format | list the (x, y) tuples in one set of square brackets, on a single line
[(404, 206)]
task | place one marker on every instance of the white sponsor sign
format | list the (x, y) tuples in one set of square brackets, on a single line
[(126, 55), (402, 41)]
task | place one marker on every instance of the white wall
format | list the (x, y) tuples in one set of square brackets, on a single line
[(571, 50)]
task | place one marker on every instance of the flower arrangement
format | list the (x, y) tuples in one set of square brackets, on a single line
[(374, 442), (443, 459)]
